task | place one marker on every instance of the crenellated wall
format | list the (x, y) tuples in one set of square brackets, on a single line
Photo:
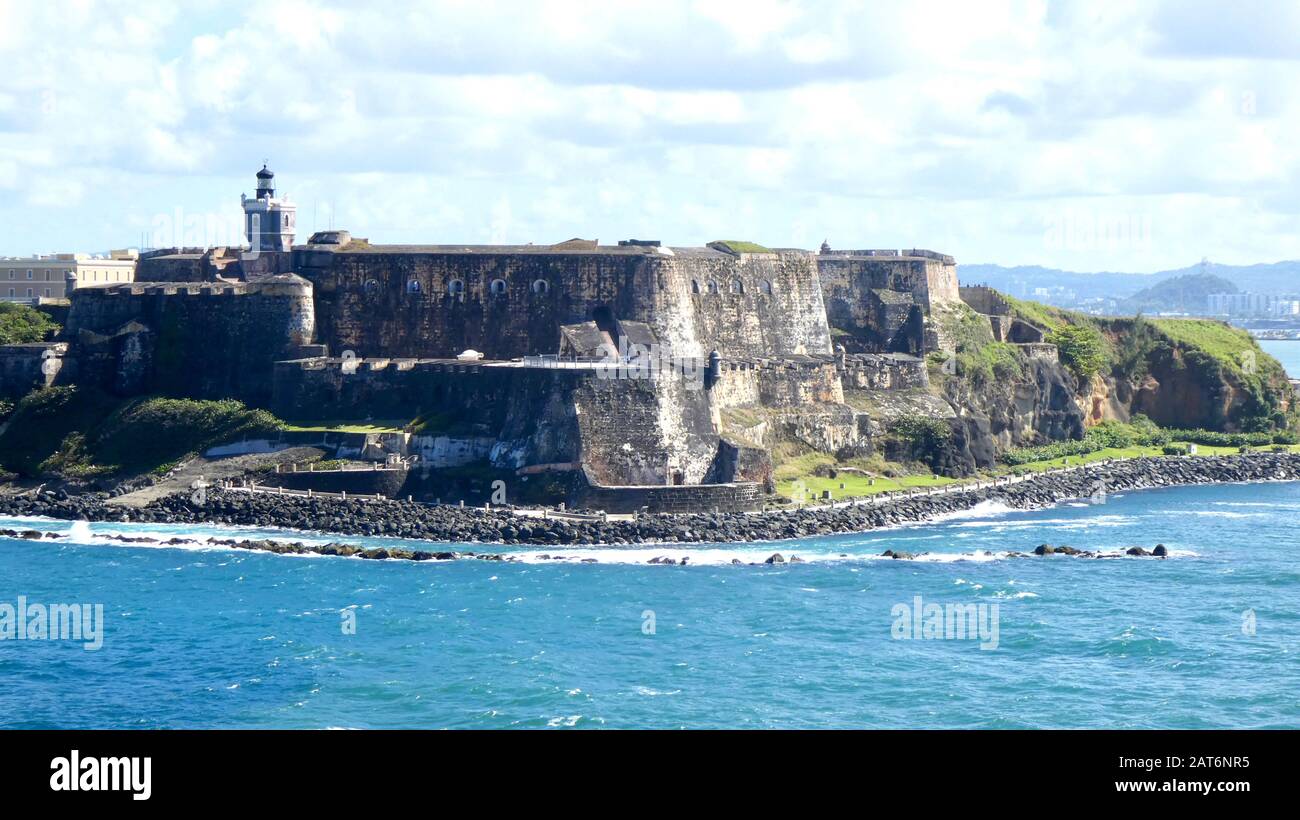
[(888, 371), (190, 339)]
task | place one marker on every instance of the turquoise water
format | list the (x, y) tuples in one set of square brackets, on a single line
[(1287, 352), (198, 637)]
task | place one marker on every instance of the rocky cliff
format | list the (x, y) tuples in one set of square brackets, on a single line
[(1188, 373), (1035, 405)]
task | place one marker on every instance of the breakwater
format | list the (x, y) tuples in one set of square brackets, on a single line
[(457, 524)]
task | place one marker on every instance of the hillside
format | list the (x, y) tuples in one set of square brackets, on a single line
[(1275, 277), (1181, 294), (1182, 373)]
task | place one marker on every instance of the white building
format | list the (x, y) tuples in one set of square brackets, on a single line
[(33, 278)]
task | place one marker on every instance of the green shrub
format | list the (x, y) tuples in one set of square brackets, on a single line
[(44, 419), (23, 324), (1140, 432), (1082, 349), (75, 431), (1175, 450), (145, 434)]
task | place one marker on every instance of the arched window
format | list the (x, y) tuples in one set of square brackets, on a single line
[(498, 287), (767, 287), (737, 286), (372, 287), (695, 286), (413, 286), (456, 287), (541, 286), (713, 286)]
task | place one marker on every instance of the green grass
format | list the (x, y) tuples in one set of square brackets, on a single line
[(796, 475), (1044, 316), (856, 485), (1136, 451), (339, 426), (1229, 346), (741, 246)]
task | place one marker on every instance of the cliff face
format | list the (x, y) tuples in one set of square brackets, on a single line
[(1188, 374), (1038, 405)]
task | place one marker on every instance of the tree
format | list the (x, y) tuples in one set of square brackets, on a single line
[(20, 324), (1081, 347)]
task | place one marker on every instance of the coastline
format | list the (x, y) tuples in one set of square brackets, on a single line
[(447, 524)]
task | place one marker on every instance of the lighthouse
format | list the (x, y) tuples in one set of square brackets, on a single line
[(268, 221)]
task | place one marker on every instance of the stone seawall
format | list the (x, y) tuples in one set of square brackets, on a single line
[(442, 523), (685, 498), (386, 482)]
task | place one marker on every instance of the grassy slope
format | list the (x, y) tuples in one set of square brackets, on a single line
[(858, 486), (79, 432)]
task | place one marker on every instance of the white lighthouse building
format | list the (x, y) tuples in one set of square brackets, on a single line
[(268, 222)]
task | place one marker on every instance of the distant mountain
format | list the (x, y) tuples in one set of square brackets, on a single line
[(1051, 284), (1178, 294)]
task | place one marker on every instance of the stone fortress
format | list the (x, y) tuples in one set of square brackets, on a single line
[(638, 375)]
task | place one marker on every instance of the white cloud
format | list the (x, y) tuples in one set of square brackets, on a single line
[(964, 127)]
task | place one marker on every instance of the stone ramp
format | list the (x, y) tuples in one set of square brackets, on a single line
[(213, 470)]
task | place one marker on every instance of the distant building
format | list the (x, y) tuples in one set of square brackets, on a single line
[(33, 278), (268, 222), (1251, 304)]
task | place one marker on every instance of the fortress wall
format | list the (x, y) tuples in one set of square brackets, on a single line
[(366, 302), (751, 305), (764, 304), (848, 283), (194, 265), (984, 299), (737, 387), (626, 431), (792, 384), (27, 367), (447, 394), (646, 431), (187, 339), (942, 287), (872, 372)]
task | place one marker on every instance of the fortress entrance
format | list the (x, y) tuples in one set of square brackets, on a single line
[(606, 324)]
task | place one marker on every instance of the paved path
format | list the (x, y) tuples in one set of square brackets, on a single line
[(212, 471)]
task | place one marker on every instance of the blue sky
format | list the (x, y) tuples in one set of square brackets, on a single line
[(1087, 136)]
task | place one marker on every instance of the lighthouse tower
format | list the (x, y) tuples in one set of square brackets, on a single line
[(268, 222)]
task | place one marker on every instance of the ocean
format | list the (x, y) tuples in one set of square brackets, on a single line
[(1285, 351), (196, 636)]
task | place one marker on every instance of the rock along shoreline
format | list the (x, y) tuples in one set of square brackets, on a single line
[(447, 524)]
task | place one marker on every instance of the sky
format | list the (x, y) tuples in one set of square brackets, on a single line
[(1133, 136)]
